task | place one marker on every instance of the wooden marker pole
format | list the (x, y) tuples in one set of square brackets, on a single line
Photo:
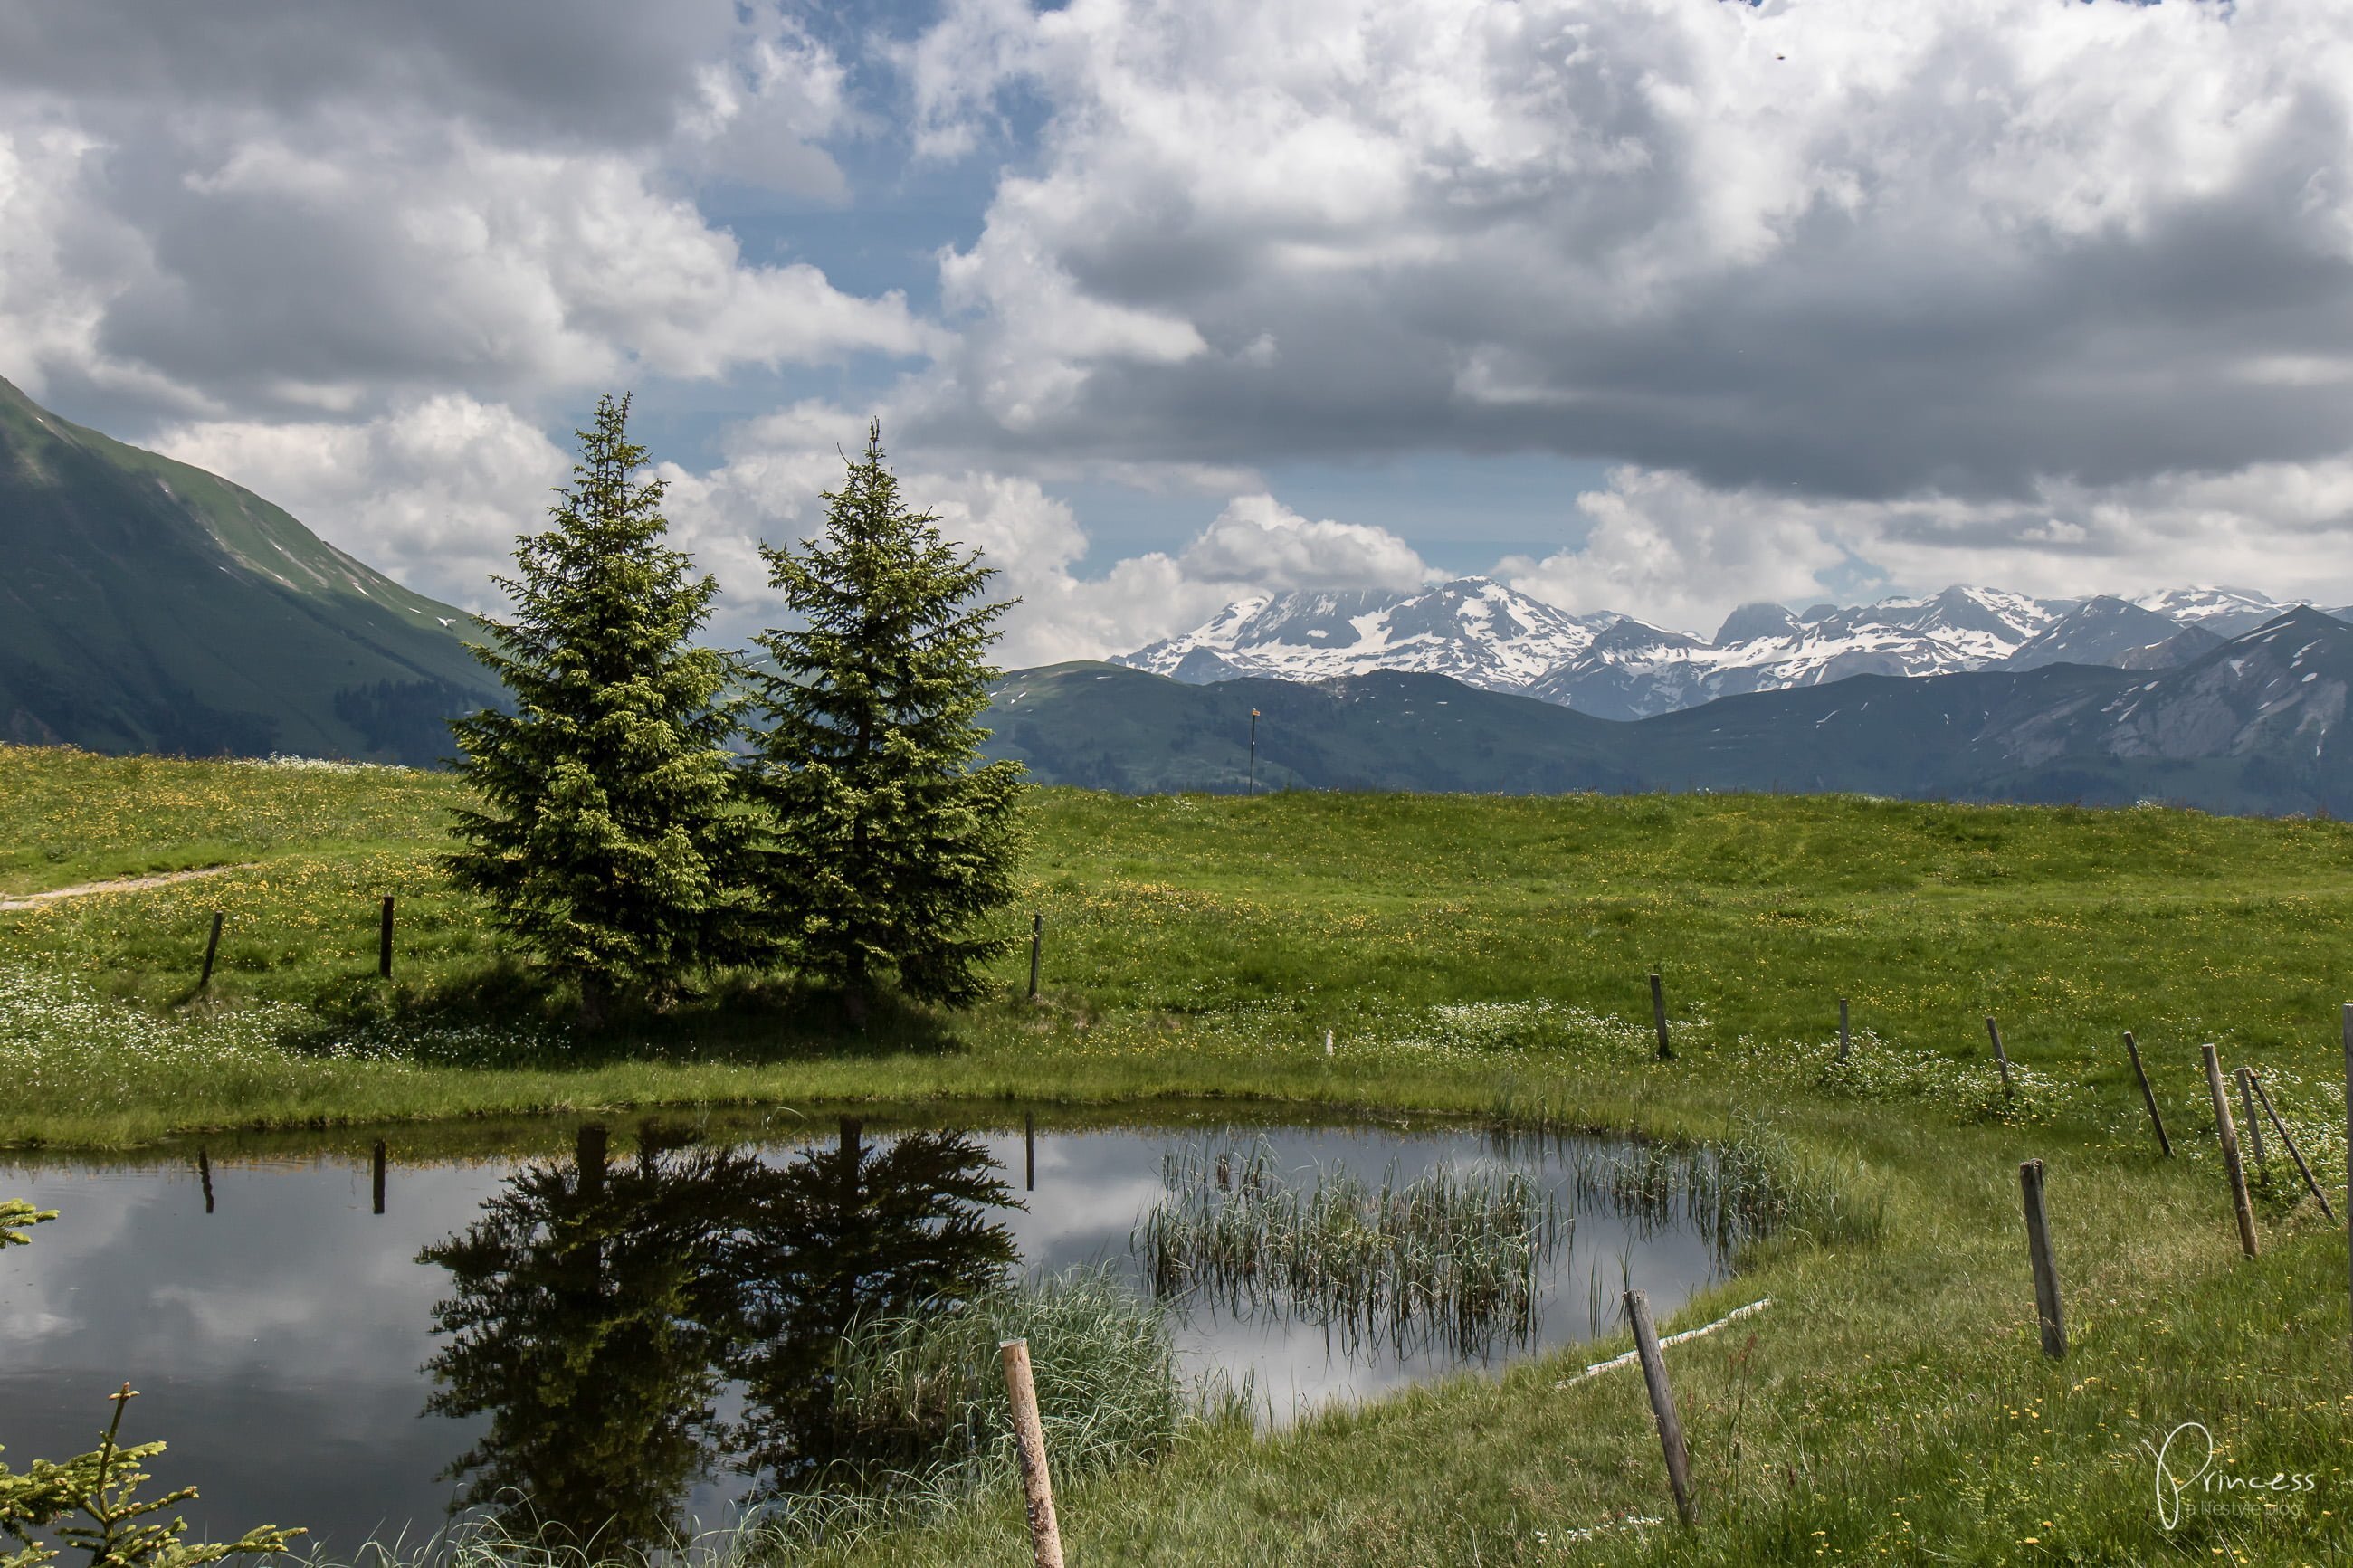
[(2038, 1253), (212, 949), (2254, 1127), (384, 943), (1846, 1041), (1994, 1030), (376, 1163), (2230, 1136), (2287, 1142), (1028, 1150), (1029, 1443), (1659, 1016), (2148, 1096), (1662, 1403), (1037, 948)]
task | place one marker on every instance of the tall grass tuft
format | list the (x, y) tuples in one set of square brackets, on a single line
[(1449, 1259), (919, 1402)]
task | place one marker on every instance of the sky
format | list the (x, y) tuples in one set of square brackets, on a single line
[(1651, 306)]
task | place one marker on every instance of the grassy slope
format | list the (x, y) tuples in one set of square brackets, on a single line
[(153, 605), (1891, 1406)]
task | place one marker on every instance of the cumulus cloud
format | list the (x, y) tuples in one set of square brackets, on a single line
[(1667, 548), (438, 488), (1861, 248), (239, 211)]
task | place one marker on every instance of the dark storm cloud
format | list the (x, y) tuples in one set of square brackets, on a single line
[(608, 70)]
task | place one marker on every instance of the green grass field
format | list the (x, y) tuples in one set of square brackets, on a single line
[(1475, 955)]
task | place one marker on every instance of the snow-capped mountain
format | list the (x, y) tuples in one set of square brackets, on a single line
[(2226, 611), (1615, 667), (1479, 632), (1763, 647)]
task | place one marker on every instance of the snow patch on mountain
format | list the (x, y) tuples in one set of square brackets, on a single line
[(1479, 632)]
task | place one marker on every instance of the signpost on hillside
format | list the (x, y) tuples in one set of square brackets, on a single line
[(1254, 752)]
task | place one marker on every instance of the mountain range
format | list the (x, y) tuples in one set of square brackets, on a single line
[(2251, 725), (1613, 666), (151, 606)]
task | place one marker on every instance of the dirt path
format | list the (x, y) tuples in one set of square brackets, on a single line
[(119, 885)]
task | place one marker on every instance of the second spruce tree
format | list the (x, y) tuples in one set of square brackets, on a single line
[(893, 841)]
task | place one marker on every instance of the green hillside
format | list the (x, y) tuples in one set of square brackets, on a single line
[(151, 606)]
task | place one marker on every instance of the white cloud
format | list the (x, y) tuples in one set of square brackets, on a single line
[(432, 493), (1259, 541), (1862, 249), (1667, 548), (271, 252)]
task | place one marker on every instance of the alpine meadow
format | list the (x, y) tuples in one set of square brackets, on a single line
[(1177, 783)]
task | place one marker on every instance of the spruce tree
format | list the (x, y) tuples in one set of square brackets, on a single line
[(608, 829), (891, 843)]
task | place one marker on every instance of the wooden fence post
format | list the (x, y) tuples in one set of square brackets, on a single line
[(1029, 1444), (2254, 1127), (2148, 1096), (2287, 1142), (2230, 1136), (1659, 1016), (1036, 946), (2003, 1056), (2038, 1253), (1662, 1403), (384, 943), (1846, 1043), (212, 947)]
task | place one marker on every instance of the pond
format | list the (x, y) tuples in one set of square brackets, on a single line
[(626, 1323)]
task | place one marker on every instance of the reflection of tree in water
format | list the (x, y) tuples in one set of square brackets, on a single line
[(845, 1234), (597, 1310), (587, 1318)]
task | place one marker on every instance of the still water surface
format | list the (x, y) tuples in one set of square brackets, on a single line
[(629, 1321)]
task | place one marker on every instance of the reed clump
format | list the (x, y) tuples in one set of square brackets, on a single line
[(1450, 1259)]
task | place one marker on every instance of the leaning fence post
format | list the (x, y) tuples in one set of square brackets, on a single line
[(2287, 1141), (212, 947), (2038, 1253), (2230, 1136), (2003, 1056), (384, 943), (1845, 1043), (2148, 1096), (1037, 946), (1029, 1445), (1663, 1401), (2254, 1127), (1659, 1016)]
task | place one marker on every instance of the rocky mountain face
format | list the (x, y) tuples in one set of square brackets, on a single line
[(2250, 725), (1613, 666), (151, 606)]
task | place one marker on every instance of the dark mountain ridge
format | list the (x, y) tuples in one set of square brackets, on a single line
[(152, 606)]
